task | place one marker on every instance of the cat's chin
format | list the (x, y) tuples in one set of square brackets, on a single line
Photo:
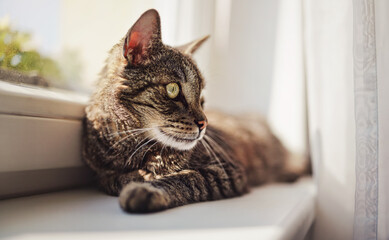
[(174, 142)]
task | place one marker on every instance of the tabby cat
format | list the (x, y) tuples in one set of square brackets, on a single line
[(149, 141)]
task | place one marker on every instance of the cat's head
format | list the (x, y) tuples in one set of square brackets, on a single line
[(161, 85)]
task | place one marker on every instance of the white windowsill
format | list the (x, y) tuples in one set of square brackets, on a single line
[(275, 211)]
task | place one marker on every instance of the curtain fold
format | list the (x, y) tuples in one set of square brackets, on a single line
[(366, 118), (382, 55)]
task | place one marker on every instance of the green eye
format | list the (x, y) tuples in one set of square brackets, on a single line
[(172, 90)]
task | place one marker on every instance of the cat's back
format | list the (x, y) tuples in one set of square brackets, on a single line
[(240, 126), (251, 140)]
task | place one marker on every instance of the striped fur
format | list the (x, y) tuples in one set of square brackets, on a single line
[(148, 150)]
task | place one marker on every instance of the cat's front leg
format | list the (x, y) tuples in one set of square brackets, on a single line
[(187, 186)]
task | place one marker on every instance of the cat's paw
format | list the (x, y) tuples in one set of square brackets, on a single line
[(142, 198)]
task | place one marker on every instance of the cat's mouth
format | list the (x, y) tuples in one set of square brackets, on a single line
[(177, 141)]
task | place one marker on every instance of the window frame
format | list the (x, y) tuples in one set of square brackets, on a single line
[(40, 140)]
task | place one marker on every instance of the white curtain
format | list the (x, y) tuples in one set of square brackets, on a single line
[(347, 57), (366, 118), (382, 56)]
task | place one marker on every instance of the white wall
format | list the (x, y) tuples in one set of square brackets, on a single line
[(257, 64), (329, 48), (243, 45)]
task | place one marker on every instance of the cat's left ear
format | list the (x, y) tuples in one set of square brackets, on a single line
[(142, 38), (191, 47)]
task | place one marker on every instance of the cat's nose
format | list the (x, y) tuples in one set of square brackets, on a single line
[(202, 124)]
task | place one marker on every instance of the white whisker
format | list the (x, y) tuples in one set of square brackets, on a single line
[(163, 147), (148, 150), (210, 150), (121, 140), (129, 131), (212, 142), (144, 144)]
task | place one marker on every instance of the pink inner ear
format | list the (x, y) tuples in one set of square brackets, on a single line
[(136, 44), (134, 40)]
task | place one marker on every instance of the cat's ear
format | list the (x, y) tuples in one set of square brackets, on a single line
[(191, 47), (142, 37)]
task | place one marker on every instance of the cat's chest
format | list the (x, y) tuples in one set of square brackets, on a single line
[(161, 163)]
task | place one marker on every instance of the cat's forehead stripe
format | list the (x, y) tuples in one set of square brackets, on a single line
[(193, 75)]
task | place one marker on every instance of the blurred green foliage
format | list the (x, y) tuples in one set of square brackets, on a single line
[(15, 54)]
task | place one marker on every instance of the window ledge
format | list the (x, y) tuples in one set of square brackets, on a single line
[(274, 211), (26, 100)]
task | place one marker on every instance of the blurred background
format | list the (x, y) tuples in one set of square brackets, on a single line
[(294, 61), (252, 62)]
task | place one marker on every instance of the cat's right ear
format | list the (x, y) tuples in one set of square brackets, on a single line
[(190, 48), (142, 38)]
